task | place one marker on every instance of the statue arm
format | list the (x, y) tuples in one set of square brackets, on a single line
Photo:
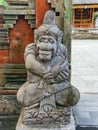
[(61, 69), (64, 71), (33, 65), (64, 66)]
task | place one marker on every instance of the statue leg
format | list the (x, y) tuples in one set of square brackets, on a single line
[(30, 94), (68, 97), (20, 93)]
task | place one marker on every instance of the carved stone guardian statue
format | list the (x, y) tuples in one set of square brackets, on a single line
[(47, 95)]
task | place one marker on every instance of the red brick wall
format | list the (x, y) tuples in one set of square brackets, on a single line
[(41, 7), (20, 36)]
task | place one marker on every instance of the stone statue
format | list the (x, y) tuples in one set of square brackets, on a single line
[(47, 95)]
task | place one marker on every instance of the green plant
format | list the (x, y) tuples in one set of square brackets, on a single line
[(3, 3), (95, 16)]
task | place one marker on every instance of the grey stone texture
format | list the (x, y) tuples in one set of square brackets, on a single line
[(84, 64), (47, 95), (86, 111), (69, 126), (85, 78)]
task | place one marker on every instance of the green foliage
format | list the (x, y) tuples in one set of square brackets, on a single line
[(95, 16), (3, 3)]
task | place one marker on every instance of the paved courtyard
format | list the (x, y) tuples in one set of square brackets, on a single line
[(85, 65), (85, 78)]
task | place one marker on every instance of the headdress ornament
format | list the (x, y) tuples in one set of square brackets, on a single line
[(49, 27)]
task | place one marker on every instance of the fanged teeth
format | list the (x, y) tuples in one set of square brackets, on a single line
[(45, 52)]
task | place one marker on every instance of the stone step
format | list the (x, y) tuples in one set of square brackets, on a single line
[(14, 66), (3, 34), (86, 128), (23, 2), (30, 17), (7, 25), (19, 12), (10, 17), (31, 21), (17, 7), (16, 79), (4, 47), (14, 71), (13, 86), (4, 41), (15, 75), (8, 122), (32, 26), (3, 29), (10, 21)]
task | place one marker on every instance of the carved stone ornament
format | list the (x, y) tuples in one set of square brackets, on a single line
[(47, 95)]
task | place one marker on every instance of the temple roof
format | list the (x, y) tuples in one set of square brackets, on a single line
[(75, 2)]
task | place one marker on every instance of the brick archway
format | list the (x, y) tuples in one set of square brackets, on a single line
[(20, 36)]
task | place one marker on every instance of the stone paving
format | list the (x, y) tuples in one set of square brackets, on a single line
[(85, 78), (86, 111)]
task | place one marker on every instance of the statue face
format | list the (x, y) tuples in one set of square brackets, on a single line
[(46, 47)]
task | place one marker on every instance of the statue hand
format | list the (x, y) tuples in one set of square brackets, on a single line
[(47, 73), (63, 75), (48, 76), (47, 70)]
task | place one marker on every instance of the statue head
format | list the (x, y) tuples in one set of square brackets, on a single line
[(48, 37)]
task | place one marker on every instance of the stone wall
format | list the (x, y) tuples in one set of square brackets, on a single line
[(85, 33)]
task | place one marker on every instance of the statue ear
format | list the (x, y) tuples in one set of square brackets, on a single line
[(60, 36), (35, 35)]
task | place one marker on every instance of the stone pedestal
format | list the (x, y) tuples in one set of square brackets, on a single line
[(21, 126)]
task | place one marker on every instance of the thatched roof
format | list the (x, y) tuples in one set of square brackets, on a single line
[(75, 2)]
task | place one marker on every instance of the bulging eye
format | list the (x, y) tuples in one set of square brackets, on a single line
[(42, 40), (51, 41)]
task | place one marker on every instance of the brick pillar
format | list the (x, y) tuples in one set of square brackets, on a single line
[(41, 7)]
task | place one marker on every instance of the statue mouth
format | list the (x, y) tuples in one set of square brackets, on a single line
[(42, 52), (45, 54)]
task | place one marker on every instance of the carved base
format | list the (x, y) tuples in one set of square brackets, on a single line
[(21, 126)]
